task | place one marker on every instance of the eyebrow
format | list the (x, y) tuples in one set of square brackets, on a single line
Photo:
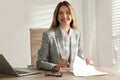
[(66, 11)]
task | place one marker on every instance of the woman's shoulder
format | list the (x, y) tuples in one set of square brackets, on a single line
[(49, 32)]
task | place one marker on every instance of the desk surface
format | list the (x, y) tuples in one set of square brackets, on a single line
[(113, 75)]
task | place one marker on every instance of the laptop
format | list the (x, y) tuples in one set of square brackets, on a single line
[(6, 68)]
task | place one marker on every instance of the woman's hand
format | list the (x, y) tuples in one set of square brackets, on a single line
[(62, 63), (57, 68), (89, 61)]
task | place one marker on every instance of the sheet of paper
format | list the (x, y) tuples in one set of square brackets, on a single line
[(80, 68)]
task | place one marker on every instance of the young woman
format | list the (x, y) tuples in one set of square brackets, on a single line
[(61, 42)]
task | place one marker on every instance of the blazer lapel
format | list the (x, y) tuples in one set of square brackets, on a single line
[(59, 40), (73, 46)]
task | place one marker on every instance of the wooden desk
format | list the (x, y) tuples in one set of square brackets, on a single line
[(113, 75)]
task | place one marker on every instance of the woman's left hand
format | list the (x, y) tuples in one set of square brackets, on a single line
[(89, 61)]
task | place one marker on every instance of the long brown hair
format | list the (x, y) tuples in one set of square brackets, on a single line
[(55, 22)]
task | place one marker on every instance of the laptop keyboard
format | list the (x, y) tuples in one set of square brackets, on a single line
[(21, 72)]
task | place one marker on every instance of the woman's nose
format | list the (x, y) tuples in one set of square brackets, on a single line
[(64, 15)]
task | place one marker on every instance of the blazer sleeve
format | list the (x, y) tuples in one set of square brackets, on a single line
[(80, 47), (43, 54)]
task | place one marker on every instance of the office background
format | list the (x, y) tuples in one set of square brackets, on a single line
[(18, 16)]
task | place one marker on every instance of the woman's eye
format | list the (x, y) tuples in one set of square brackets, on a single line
[(60, 13), (68, 13)]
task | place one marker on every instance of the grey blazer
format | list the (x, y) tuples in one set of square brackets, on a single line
[(52, 47)]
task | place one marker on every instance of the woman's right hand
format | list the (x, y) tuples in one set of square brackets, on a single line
[(63, 63)]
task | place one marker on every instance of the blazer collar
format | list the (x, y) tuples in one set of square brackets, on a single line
[(61, 33), (65, 34)]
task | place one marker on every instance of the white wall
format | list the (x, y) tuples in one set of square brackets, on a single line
[(104, 32), (98, 31), (14, 31), (89, 27), (17, 17)]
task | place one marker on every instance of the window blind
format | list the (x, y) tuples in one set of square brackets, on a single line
[(116, 31), (41, 16)]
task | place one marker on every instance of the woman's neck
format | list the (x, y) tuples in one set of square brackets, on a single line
[(66, 29)]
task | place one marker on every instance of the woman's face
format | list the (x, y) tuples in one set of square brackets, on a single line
[(64, 16)]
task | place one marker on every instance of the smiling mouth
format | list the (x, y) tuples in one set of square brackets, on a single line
[(65, 20)]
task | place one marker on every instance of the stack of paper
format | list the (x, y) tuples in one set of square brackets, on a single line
[(80, 68)]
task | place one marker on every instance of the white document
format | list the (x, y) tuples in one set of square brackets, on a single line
[(80, 68)]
